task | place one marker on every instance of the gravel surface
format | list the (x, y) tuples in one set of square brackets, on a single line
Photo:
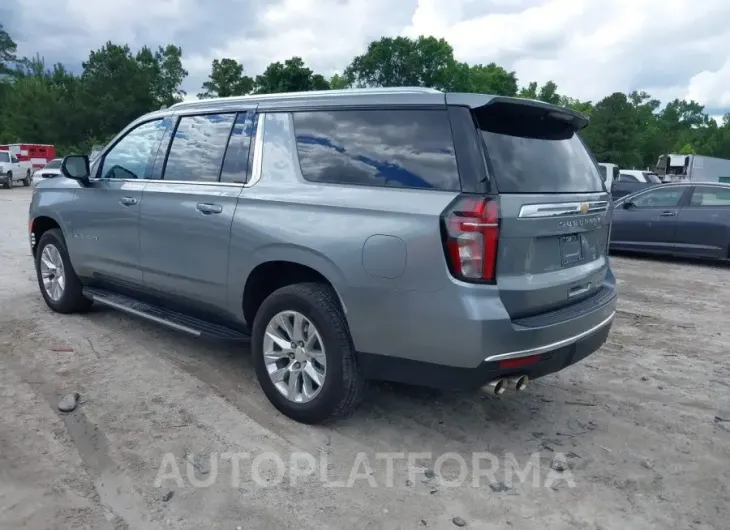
[(636, 436)]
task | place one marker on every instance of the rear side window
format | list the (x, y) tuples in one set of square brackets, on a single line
[(390, 148), (532, 152), (235, 163), (197, 147), (710, 196)]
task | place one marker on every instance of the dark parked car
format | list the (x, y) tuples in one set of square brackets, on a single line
[(689, 219)]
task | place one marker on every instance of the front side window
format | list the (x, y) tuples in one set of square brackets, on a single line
[(13, 159), (198, 146), (390, 148), (710, 196), (132, 156), (660, 198)]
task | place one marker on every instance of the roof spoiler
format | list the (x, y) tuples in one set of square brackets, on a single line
[(476, 101)]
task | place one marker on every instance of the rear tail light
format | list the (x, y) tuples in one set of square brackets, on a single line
[(471, 235)]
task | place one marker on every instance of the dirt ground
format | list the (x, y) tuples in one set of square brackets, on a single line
[(638, 428)]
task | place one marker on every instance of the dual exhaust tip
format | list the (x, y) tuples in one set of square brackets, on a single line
[(517, 383)]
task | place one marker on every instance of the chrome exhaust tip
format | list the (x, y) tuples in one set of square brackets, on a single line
[(496, 387), (517, 383)]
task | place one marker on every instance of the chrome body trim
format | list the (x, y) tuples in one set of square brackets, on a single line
[(563, 208), (552, 346)]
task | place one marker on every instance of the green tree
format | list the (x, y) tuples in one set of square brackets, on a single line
[(338, 82), (290, 76), (8, 49), (612, 133), (482, 79), (226, 79), (547, 92), (401, 61)]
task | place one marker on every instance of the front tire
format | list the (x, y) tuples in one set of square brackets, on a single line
[(60, 287), (28, 179), (8, 180), (303, 354)]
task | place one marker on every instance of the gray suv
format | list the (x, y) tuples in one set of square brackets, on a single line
[(447, 240)]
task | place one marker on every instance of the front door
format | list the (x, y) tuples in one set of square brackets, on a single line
[(186, 217), (105, 224), (649, 222)]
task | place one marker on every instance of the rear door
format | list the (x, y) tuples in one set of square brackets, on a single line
[(186, 216), (554, 210), (703, 225)]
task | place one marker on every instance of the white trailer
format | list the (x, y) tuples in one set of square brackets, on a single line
[(696, 168)]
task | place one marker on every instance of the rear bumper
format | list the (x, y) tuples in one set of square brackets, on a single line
[(550, 358)]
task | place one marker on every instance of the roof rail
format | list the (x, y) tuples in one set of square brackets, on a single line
[(318, 93)]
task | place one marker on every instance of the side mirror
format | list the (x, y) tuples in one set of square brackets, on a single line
[(627, 204), (76, 167)]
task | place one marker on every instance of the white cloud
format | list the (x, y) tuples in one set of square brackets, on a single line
[(590, 48), (713, 86)]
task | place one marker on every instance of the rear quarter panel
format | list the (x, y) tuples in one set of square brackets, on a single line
[(373, 244)]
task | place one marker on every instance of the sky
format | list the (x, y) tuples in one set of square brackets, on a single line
[(590, 48)]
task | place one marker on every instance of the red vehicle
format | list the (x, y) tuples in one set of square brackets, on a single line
[(31, 156)]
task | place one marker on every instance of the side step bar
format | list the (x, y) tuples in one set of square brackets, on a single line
[(171, 319)]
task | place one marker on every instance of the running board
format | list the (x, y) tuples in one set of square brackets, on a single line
[(172, 319)]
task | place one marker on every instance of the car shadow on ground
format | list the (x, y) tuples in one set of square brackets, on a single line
[(393, 417)]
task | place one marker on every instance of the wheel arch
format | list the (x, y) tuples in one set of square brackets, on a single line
[(281, 265)]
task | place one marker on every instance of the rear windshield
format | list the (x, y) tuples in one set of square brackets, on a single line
[(54, 164), (533, 152)]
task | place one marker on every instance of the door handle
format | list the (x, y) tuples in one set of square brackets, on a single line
[(668, 214), (127, 201), (208, 209)]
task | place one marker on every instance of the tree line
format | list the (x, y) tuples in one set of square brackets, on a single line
[(116, 85)]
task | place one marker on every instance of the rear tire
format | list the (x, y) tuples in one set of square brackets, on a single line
[(8, 180), (343, 385), (53, 253)]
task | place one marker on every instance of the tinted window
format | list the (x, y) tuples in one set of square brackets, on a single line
[(710, 196), (235, 163), (132, 156), (659, 198), (198, 146), (4, 156), (54, 164), (394, 148), (13, 159), (532, 151), (627, 178)]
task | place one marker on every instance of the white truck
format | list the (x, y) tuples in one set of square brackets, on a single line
[(13, 170), (695, 168), (609, 173)]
